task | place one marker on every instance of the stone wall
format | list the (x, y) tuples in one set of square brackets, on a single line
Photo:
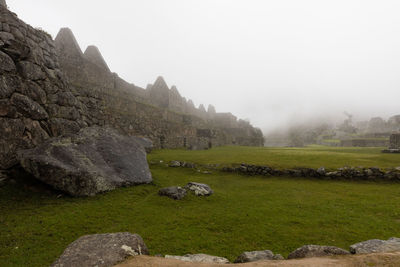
[(394, 142), (35, 100), (364, 143), (49, 88), (157, 112)]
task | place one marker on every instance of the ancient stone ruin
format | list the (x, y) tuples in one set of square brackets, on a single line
[(394, 144), (50, 87)]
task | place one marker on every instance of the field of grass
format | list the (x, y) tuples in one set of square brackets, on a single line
[(285, 157), (245, 213)]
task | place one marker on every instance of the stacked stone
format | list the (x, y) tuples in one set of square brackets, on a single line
[(34, 99)]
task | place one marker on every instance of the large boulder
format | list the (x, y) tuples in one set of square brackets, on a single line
[(101, 250), (250, 256), (93, 160), (309, 251), (204, 258), (174, 192), (376, 245), (199, 189)]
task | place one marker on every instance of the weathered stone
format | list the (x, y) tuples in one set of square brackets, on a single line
[(6, 63), (7, 110), (92, 161), (35, 132), (204, 258), (17, 50), (6, 37), (250, 256), (11, 128), (31, 71), (17, 33), (199, 189), (278, 257), (28, 107), (8, 85), (146, 143), (376, 246), (174, 192), (101, 250), (309, 251), (321, 171), (174, 163), (33, 91), (59, 126)]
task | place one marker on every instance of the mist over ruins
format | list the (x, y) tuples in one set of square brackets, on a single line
[(98, 171)]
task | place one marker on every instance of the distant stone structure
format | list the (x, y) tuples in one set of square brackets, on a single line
[(394, 144), (3, 3), (394, 141), (49, 88)]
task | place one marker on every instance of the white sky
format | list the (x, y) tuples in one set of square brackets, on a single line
[(268, 61)]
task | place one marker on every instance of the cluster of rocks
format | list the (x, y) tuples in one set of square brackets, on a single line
[(177, 192), (110, 249)]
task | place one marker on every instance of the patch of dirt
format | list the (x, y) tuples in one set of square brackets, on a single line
[(378, 259)]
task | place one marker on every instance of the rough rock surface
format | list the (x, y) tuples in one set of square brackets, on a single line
[(204, 258), (199, 189), (174, 192), (94, 160), (250, 256), (101, 250), (376, 245), (309, 251)]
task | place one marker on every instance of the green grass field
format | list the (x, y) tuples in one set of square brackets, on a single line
[(282, 157), (245, 213)]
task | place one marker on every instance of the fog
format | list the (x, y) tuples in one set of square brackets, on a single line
[(272, 62)]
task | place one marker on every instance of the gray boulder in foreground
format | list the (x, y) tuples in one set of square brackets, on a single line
[(199, 258), (94, 160), (376, 246), (199, 189), (174, 192), (101, 250), (250, 256), (309, 251)]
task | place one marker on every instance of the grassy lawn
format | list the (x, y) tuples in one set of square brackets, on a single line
[(245, 213), (312, 156)]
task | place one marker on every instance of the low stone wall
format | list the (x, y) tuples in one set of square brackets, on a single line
[(364, 143), (345, 173)]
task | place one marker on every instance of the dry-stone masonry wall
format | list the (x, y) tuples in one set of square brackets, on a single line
[(35, 100), (49, 88)]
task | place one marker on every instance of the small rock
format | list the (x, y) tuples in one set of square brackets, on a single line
[(250, 256), (309, 251), (199, 258), (376, 245), (321, 171), (278, 257), (174, 163), (174, 192), (199, 189), (101, 250)]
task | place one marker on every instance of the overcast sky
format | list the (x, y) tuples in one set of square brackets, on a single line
[(268, 61)]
